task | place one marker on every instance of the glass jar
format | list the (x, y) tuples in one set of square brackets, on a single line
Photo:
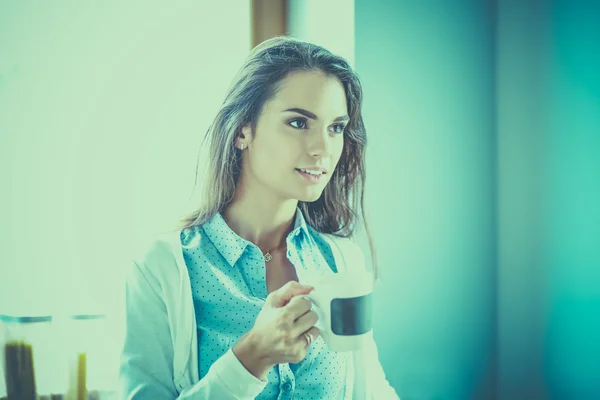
[(89, 361), (26, 355)]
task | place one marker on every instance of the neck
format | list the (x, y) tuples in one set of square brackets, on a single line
[(266, 222)]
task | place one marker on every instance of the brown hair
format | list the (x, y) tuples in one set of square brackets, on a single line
[(338, 209)]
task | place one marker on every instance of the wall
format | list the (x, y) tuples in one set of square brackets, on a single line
[(102, 110), (326, 23), (571, 207), (427, 70), (487, 217)]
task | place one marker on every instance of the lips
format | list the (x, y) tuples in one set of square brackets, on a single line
[(314, 172), (309, 177), (314, 169)]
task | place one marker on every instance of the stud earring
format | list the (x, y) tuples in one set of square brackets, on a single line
[(242, 146)]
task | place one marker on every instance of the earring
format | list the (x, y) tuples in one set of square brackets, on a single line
[(242, 146)]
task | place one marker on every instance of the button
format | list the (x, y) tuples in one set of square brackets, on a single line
[(287, 386)]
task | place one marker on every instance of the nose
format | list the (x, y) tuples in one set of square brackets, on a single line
[(319, 143)]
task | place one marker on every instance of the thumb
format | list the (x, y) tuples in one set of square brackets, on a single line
[(283, 295)]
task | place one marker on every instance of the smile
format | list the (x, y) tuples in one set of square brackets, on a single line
[(311, 177)]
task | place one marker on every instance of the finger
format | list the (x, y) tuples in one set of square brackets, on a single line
[(314, 333), (304, 323), (298, 306), (282, 296)]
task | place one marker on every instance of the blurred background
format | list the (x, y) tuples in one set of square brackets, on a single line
[(483, 165)]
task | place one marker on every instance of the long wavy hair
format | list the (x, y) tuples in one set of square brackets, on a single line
[(342, 202)]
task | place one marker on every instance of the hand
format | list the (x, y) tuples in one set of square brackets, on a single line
[(278, 332)]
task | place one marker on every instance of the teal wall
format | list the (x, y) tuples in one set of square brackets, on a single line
[(427, 71), (571, 207), (484, 189), (548, 73)]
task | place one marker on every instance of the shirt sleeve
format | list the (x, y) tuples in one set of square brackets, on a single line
[(146, 367), (379, 387), (227, 378)]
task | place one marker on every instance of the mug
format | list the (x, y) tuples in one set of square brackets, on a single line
[(343, 302)]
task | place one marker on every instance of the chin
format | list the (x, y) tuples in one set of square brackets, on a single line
[(310, 197)]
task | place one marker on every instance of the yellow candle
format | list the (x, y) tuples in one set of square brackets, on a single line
[(81, 377)]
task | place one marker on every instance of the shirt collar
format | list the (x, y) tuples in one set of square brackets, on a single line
[(232, 246), (300, 225)]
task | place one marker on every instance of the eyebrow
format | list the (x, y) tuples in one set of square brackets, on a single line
[(310, 115)]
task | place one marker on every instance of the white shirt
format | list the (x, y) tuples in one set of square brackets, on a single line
[(160, 354)]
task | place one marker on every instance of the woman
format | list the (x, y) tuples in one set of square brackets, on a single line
[(216, 311)]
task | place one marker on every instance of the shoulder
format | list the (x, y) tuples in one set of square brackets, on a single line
[(160, 248), (345, 251), (158, 257), (346, 245)]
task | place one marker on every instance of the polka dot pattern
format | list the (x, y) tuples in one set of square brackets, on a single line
[(227, 276)]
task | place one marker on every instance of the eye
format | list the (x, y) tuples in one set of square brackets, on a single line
[(339, 128), (300, 123)]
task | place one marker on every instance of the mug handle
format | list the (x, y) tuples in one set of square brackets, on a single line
[(323, 322)]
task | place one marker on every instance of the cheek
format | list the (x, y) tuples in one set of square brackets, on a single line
[(338, 152), (273, 160)]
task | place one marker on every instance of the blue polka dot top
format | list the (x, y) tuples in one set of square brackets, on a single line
[(229, 289)]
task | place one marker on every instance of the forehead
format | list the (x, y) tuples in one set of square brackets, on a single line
[(311, 90)]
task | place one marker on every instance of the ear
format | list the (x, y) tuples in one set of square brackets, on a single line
[(245, 136)]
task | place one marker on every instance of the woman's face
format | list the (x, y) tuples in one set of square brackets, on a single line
[(300, 128)]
